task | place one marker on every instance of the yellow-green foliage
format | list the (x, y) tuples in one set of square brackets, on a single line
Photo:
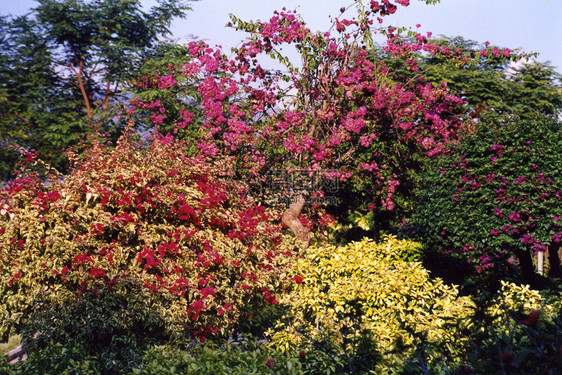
[(513, 296), (372, 284)]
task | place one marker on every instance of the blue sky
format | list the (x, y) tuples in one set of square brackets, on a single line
[(531, 25)]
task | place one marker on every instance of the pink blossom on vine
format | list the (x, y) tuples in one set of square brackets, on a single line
[(527, 239), (514, 217), (167, 81)]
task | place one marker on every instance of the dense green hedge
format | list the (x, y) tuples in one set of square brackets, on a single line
[(496, 198)]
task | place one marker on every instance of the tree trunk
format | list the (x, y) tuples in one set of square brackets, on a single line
[(526, 265), (291, 219), (554, 260)]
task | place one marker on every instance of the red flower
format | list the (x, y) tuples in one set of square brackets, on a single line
[(81, 259), (208, 291), (297, 279), (96, 272), (270, 363), (29, 156), (13, 278), (508, 359), (123, 218), (531, 320)]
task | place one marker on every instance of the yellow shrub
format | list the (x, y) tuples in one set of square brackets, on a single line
[(371, 284), (513, 296)]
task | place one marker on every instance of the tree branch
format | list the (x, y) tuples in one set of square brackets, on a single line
[(105, 98), (82, 88), (81, 85), (24, 119), (291, 219)]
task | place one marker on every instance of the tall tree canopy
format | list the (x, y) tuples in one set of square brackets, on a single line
[(65, 63)]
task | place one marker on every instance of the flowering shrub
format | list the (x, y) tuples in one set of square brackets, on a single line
[(369, 288), (496, 196), (200, 249), (341, 113)]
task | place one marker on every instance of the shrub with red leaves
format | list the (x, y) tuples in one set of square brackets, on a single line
[(144, 213)]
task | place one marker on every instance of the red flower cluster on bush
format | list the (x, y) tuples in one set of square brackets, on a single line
[(186, 236)]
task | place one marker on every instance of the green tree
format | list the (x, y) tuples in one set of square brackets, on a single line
[(66, 63), (536, 86), (489, 81), (33, 101)]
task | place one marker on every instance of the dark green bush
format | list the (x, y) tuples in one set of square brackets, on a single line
[(113, 327), (494, 200), (246, 357), (55, 359)]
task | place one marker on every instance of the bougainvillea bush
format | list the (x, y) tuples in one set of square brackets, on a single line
[(495, 199), (203, 253), (336, 112)]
